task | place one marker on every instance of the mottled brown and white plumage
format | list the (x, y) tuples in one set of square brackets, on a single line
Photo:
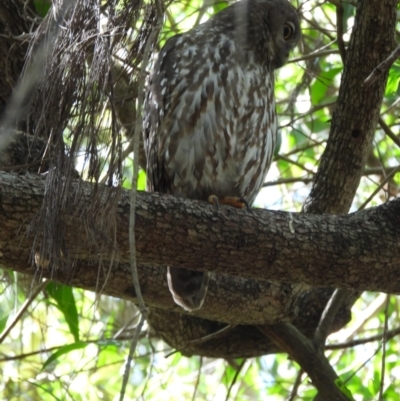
[(210, 124)]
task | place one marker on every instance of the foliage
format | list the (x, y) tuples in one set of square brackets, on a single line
[(72, 344)]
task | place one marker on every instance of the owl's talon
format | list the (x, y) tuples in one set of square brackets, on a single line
[(213, 199), (234, 201), (244, 201)]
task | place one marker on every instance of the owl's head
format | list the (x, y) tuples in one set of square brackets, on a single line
[(269, 28), (281, 21)]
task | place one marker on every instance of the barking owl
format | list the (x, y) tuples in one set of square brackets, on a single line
[(210, 124)]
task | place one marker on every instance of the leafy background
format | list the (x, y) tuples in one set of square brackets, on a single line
[(72, 344)]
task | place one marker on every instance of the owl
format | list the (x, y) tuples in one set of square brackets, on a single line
[(209, 122)]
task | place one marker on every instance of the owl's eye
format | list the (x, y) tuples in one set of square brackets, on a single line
[(288, 30)]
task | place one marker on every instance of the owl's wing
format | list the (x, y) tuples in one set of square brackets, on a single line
[(159, 90), (187, 107)]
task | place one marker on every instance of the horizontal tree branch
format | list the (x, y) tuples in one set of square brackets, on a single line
[(358, 251)]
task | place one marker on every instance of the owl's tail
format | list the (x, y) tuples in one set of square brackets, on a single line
[(188, 288)]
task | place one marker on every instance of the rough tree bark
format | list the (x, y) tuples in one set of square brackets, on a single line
[(258, 244), (358, 251), (357, 109)]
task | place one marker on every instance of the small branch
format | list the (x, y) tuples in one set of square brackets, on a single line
[(289, 160), (296, 385), (285, 181), (209, 337), (216, 334), (339, 27), (379, 187), (132, 349), (315, 54), (353, 343), (362, 318), (327, 317), (238, 370), (381, 170), (290, 340), (196, 385), (391, 107), (315, 25), (355, 371), (384, 340), (22, 310), (382, 67), (306, 180), (310, 112), (389, 132)]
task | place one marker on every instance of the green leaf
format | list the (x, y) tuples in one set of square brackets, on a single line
[(65, 350), (141, 182), (3, 322), (65, 302), (42, 7), (322, 83), (219, 6), (392, 85), (110, 352), (339, 382)]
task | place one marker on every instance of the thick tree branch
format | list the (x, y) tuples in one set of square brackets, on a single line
[(358, 251)]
